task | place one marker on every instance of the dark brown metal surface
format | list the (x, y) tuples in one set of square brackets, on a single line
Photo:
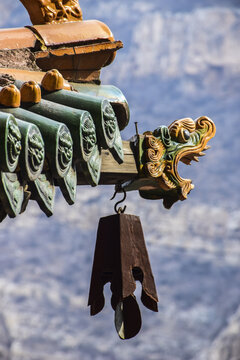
[(121, 258)]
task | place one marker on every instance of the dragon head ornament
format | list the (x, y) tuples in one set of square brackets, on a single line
[(158, 154)]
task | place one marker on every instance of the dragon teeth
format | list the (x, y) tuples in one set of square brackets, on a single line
[(207, 147)]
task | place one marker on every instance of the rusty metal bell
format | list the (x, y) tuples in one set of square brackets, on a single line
[(121, 258)]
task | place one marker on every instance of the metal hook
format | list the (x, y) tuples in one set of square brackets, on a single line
[(120, 210), (136, 127)]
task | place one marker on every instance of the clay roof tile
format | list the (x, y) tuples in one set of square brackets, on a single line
[(17, 38)]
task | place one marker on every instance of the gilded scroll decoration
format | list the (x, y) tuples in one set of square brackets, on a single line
[(180, 130)]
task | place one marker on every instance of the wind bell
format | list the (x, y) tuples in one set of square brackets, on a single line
[(121, 258)]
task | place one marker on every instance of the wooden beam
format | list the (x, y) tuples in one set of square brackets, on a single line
[(111, 171)]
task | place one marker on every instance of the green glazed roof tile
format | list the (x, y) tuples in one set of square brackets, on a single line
[(55, 137)]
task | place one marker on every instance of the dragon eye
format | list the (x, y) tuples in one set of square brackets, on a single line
[(186, 134)]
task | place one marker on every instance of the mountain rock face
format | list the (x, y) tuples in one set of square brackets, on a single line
[(181, 59), (227, 344), (5, 340)]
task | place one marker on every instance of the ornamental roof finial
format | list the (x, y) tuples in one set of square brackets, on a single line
[(53, 11)]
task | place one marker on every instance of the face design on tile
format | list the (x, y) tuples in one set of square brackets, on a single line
[(13, 142)]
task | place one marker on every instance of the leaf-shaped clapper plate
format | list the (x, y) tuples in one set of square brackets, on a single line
[(128, 320)]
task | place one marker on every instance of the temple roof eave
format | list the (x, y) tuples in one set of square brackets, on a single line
[(78, 49)]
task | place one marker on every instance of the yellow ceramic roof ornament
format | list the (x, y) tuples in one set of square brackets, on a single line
[(30, 92), (52, 81), (52, 11), (10, 96)]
